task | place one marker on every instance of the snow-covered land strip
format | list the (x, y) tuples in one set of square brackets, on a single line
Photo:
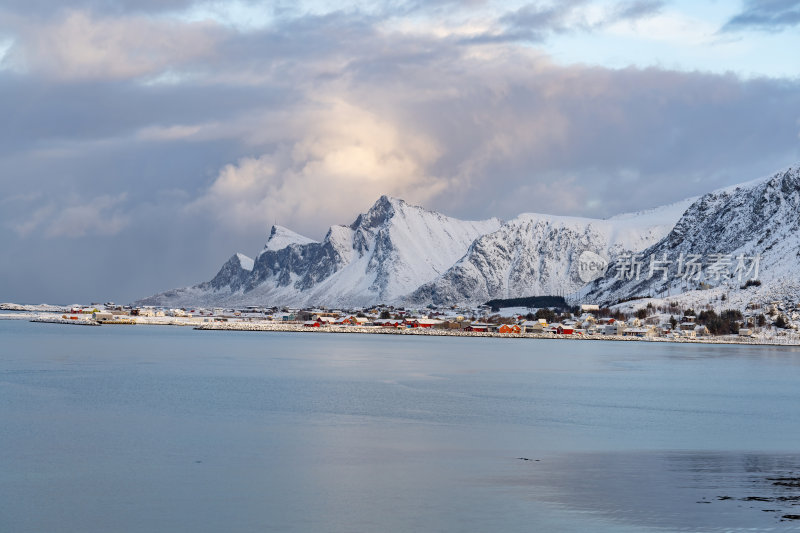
[(37, 308), (18, 316), (168, 320), (780, 338), (299, 328), (59, 320)]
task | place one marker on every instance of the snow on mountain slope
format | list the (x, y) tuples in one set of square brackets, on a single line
[(536, 254), (245, 262), (280, 238), (728, 231), (384, 254)]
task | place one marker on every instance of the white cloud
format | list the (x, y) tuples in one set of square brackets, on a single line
[(169, 133), (5, 47)]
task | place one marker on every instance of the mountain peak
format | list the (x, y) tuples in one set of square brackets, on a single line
[(280, 237), (391, 200), (381, 211), (778, 177)]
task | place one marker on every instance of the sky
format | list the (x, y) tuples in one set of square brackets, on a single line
[(144, 142)]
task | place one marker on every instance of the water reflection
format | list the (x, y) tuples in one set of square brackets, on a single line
[(695, 491)]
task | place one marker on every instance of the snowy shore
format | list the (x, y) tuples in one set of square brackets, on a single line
[(201, 323), (56, 320), (299, 328)]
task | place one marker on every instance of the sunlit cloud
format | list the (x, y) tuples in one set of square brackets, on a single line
[(337, 157)]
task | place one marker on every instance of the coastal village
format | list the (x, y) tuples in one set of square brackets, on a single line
[(772, 322)]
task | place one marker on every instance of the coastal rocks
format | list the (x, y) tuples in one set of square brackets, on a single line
[(785, 495)]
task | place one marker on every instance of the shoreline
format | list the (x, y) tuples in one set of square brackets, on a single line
[(298, 328), (262, 326)]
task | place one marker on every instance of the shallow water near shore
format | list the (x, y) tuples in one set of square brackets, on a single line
[(164, 428)]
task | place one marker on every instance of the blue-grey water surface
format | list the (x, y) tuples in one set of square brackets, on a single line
[(151, 429)]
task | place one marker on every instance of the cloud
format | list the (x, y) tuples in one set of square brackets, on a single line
[(766, 15), (97, 216), (537, 22), (335, 157), (492, 130), (637, 9), (43, 8), (170, 133), (81, 45), (535, 18)]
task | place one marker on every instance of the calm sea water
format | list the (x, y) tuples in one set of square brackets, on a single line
[(150, 429)]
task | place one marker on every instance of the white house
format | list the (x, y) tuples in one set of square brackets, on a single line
[(532, 326)]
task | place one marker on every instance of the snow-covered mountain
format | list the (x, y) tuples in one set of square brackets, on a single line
[(723, 239), (536, 254), (382, 256), (399, 253)]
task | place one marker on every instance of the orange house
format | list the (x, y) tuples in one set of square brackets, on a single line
[(509, 328)]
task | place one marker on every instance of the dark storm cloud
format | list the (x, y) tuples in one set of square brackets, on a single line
[(766, 15)]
